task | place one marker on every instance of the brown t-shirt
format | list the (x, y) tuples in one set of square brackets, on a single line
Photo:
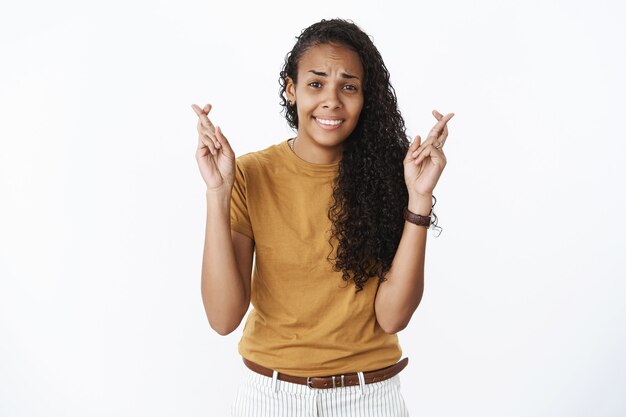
[(306, 320)]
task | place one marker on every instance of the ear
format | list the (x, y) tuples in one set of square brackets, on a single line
[(290, 90)]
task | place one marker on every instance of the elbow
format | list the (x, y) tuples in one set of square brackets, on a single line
[(223, 319), (391, 326), (224, 324), (396, 324), (223, 330), (393, 329)]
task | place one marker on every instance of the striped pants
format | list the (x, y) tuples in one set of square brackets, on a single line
[(262, 396)]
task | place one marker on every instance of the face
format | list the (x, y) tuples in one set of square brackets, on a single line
[(328, 94)]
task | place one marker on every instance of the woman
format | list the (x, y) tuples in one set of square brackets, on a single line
[(323, 212)]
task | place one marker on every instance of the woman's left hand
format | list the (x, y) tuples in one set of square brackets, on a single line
[(424, 162)]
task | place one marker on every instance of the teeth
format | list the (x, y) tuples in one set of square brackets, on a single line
[(330, 122)]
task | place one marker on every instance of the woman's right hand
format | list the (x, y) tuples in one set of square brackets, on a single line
[(215, 157)]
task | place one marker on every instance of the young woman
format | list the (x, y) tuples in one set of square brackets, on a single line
[(336, 218)]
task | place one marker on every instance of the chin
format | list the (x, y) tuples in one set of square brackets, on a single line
[(332, 138)]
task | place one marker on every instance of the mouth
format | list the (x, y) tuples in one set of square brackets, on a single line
[(328, 124)]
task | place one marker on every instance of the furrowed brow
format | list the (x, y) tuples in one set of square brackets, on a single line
[(343, 74)]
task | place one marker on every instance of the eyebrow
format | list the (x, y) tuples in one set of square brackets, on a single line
[(343, 74)]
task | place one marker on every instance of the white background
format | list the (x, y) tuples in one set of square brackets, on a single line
[(102, 206)]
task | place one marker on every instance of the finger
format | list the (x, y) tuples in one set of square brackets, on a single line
[(438, 127), (434, 136), (223, 142), (430, 151), (423, 147), (413, 147), (444, 136), (209, 138), (205, 119), (435, 145), (208, 143), (424, 153), (203, 152), (441, 122), (203, 140), (202, 115), (199, 111), (206, 131), (203, 144)]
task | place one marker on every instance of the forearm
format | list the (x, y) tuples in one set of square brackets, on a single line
[(398, 297), (223, 291)]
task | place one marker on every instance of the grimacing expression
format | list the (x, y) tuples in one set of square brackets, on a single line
[(328, 94)]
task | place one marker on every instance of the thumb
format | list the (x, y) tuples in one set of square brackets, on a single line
[(414, 145)]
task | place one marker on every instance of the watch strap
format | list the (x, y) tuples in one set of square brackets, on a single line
[(416, 218)]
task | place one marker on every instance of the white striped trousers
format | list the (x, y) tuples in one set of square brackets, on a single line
[(263, 396)]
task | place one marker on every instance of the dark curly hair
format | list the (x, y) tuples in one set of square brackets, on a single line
[(369, 193)]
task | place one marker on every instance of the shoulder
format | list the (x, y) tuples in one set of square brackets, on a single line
[(261, 159)]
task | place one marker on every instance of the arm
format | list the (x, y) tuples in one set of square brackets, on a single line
[(398, 297), (227, 256), (226, 267)]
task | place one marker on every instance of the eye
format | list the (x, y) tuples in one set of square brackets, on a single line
[(351, 87), (315, 84)]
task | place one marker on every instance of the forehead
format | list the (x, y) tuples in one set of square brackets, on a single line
[(331, 58)]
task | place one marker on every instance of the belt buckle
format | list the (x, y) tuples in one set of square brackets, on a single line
[(309, 382), (342, 381)]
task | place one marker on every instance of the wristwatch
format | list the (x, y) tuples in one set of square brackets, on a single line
[(416, 218)]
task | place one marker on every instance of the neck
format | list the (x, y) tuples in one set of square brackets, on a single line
[(315, 153)]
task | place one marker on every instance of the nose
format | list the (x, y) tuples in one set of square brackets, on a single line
[(331, 99)]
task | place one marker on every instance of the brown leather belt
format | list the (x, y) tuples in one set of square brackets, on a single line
[(332, 381)]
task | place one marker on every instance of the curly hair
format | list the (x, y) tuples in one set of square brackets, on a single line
[(369, 193)]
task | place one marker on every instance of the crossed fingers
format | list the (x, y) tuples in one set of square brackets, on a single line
[(203, 119), (206, 128), (437, 135)]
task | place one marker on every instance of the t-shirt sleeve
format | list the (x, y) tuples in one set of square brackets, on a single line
[(239, 214)]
